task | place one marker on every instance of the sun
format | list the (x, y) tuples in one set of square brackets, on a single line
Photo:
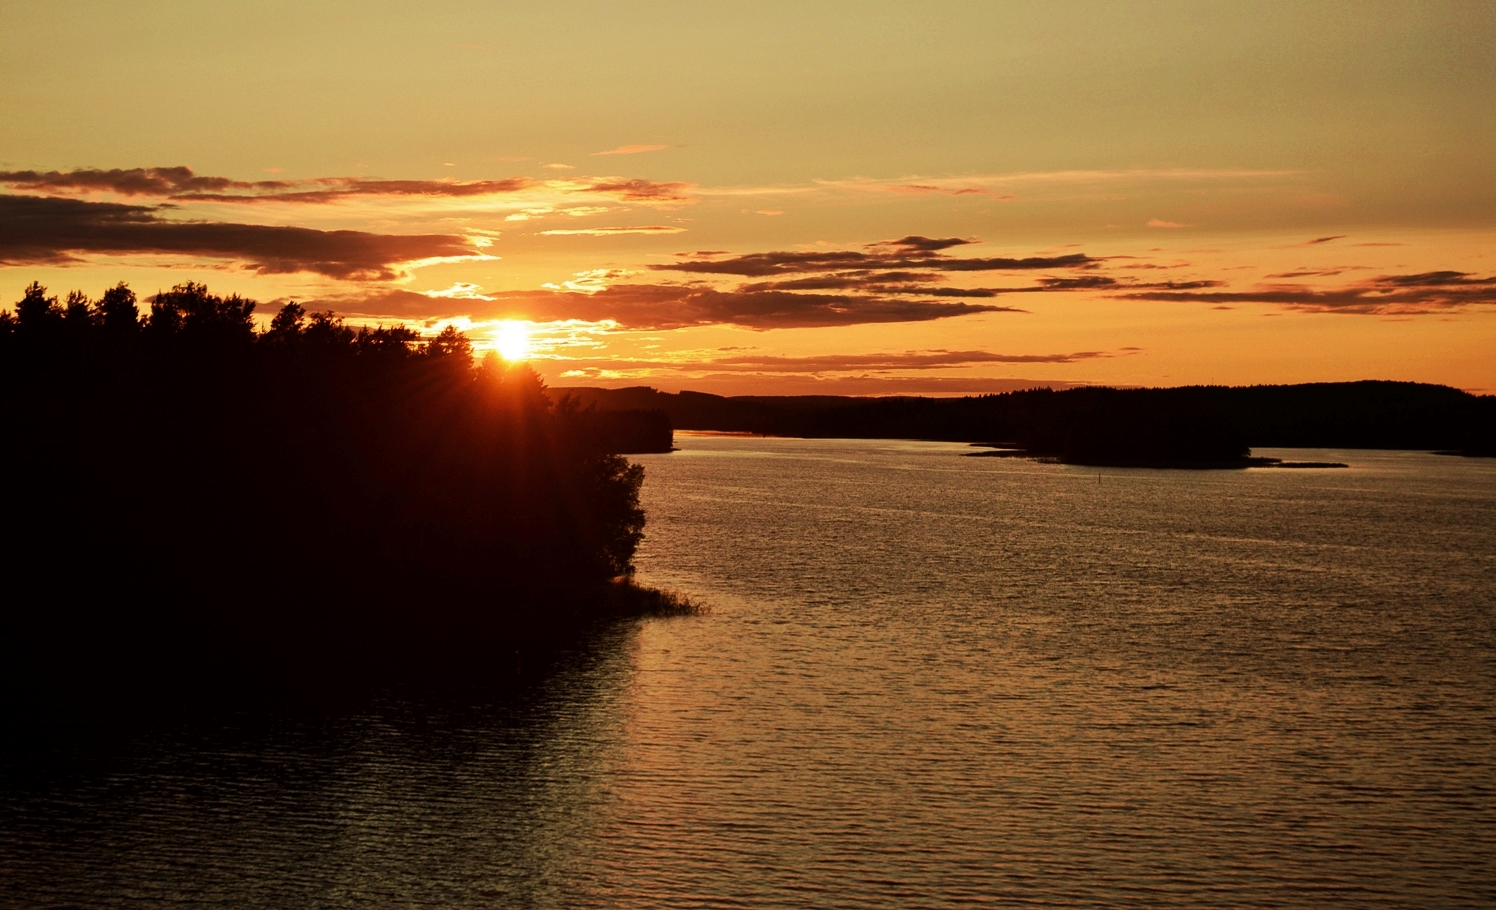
[(513, 340)]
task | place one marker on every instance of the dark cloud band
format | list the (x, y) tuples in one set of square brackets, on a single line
[(920, 253), (42, 230), (183, 185), (137, 181), (649, 306), (1427, 292)]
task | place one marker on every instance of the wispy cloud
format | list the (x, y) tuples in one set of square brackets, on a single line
[(632, 149), (1160, 223), (139, 181), (36, 230), (916, 243), (886, 372), (180, 183), (907, 360), (609, 231), (912, 283), (1000, 185), (648, 306), (1387, 295), (635, 190), (334, 189), (912, 252)]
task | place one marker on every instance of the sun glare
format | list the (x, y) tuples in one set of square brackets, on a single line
[(513, 340)]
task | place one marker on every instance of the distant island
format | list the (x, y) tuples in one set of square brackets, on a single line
[(194, 500), (1192, 427), (1148, 460)]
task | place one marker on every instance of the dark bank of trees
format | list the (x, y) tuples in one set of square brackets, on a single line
[(187, 495), (1202, 425)]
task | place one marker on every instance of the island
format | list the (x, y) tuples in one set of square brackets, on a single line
[(1189, 427)]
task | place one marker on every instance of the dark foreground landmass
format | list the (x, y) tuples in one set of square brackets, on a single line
[(1196, 426), (190, 502)]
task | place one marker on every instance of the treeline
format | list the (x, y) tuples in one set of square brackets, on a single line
[(1104, 425), (185, 490)]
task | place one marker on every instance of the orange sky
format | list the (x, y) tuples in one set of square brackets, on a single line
[(783, 198)]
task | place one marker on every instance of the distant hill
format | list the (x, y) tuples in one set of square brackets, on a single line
[(1104, 425)]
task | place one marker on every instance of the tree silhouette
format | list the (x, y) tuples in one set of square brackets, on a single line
[(116, 312), (187, 490)]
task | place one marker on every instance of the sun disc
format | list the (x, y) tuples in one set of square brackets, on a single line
[(512, 340)]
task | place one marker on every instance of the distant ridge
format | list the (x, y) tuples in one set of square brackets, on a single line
[(1370, 414)]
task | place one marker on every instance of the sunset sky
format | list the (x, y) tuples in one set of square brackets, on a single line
[(860, 198)]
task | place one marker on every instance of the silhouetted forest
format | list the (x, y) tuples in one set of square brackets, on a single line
[(190, 496), (1205, 425)]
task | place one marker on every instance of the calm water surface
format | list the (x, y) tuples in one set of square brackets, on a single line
[(927, 681)]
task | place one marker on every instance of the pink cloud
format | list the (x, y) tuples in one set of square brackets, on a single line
[(632, 149)]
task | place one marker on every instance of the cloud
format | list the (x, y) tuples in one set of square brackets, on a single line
[(632, 149), (908, 360), (1319, 240), (636, 190), (332, 189), (1085, 282), (180, 183), (1423, 293), (461, 290), (914, 242), (649, 306), (897, 282), (609, 231), (993, 184), (894, 373), (37, 230), (779, 263), (1434, 280), (887, 281), (828, 363), (912, 283), (926, 189), (139, 181), (911, 252), (1160, 223)]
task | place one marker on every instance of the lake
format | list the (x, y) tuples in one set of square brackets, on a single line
[(926, 680)]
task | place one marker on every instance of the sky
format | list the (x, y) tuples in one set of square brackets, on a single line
[(774, 198)]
